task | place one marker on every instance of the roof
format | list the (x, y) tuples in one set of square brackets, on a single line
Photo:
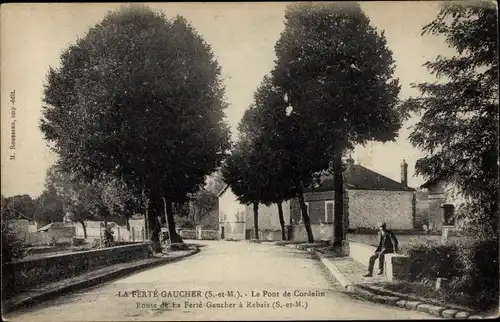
[(361, 178), (429, 183), (358, 178), (223, 190), (55, 225)]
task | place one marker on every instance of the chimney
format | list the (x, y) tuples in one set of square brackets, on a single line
[(404, 173)]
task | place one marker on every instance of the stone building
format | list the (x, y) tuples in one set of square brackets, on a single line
[(369, 198)]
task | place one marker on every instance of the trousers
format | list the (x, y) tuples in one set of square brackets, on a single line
[(380, 255)]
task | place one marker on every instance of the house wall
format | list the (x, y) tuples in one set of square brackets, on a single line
[(365, 208), (440, 193), (422, 209), (268, 216), (368, 207), (57, 235), (231, 216), (316, 207), (137, 230), (320, 232)]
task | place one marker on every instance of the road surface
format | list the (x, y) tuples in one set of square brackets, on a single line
[(225, 281)]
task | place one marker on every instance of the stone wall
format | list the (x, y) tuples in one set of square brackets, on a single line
[(365, 208), (209, 234), (23, 274), (368, 207), (203, 234)]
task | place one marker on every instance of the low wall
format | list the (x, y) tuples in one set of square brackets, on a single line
[(396, 266), (187, 234), (23, 274), (209, 234), (203, 234), (405, 240), (320, 232)]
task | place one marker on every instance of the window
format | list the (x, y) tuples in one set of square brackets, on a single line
[(329, 211)]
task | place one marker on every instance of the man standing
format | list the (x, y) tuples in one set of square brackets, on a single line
[(387, 243)]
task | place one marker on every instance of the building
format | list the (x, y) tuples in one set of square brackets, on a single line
[(137, 225), (369, 198), (95, 230), (56, 233), (236, 220), (439, 194)]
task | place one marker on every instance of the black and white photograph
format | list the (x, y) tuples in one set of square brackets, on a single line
[(237, 161)]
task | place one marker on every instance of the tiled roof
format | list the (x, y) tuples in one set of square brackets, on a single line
[(361, 178)]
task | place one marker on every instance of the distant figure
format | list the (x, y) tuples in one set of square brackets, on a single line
[(387, 243), (108, 237)]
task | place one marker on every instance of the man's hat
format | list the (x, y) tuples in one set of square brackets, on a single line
[(381, 224)]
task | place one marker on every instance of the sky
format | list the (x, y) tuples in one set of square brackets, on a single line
[(242, 37)]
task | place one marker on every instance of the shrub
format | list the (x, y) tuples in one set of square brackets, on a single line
[(12, 246), (474, 219), (433, 262), (472, 269), (12, 249)]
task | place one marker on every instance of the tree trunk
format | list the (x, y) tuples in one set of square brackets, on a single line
[(305, 217), (153, 224), (128, 223), (282, 221), (84, 228), (338, 220), (172, 233), (256, 219)]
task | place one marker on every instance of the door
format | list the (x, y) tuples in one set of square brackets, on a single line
[(222, 232)]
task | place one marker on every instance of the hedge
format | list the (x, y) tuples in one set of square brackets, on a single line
[(471, 268)]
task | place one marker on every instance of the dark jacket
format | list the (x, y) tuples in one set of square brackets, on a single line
[(387, 242)]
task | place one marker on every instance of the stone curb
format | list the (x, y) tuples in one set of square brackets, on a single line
[(420, 306), (32, 300)]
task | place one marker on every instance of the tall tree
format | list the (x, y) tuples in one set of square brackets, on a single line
[(81, 200), (19, 207), (338, 75), (459, 113), (152, 115), (265, 124), (49, 206), (242, 172)]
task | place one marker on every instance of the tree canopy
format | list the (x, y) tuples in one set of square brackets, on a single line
[(459, 112), (151, 115), (336, 73)]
